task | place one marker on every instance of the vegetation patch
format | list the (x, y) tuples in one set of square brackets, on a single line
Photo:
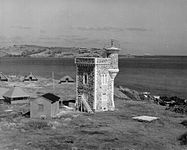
[(184, 123), (183, 139), (37, 124), (92, 132)]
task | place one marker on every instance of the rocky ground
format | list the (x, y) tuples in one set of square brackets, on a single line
[(104, 130)]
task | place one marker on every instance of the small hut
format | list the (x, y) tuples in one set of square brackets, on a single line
[(3, 77), (16, 95), (46, 106), (66, 79), (30, 77)]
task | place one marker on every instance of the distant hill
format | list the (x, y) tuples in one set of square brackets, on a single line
[(40, 51)]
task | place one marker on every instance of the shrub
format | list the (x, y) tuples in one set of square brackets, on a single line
[(184, 123), (183, 139), (180, 109), (177, 100), (165, 98), (37, 124)]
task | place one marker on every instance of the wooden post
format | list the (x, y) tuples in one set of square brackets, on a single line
[(53, 81), (81, 104)]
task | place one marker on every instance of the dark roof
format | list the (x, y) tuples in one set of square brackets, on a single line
[(30, 77), (53, 98), (3, 77)]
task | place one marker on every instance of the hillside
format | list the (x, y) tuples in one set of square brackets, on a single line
[(39, 51)]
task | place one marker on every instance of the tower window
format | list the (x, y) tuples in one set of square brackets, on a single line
[(85, 78), (104, 79)]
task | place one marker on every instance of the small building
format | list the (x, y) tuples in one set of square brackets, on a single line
[(3, 77), (95, 81), (69, 103), (16, 95), (66, 79), (30, 77), (67, 94), (46, 106)]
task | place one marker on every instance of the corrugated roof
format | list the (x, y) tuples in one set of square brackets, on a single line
[(53, 98), (16, 92)]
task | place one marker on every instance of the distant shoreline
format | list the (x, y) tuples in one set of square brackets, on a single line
[(163, 76), (65, 52), (120, 56)]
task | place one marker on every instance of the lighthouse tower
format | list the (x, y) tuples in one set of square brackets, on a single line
[(95, 81), (112, 53)]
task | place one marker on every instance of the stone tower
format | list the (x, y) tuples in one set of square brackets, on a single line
[(95, 81)]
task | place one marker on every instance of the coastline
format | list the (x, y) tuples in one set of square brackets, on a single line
[(165, 77)]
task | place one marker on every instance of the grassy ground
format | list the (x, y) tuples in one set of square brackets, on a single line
[(104, 130), (42, 86)]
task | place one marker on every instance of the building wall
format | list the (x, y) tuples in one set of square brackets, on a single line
[(55, 108), (114, 60), (34, 109), (88, 89), (103, 90), (100, 97)]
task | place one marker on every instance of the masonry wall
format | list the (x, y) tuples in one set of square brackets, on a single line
[(114, 60), (103, 89), (88, 89)]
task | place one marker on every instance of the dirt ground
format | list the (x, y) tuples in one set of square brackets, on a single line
[(105, 130)]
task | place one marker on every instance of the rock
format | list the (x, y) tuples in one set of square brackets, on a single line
[(23, 130), (75, 116), (132, 94), (29, 143), (67, 119), (65, 124), (145, 118), (119, 94)]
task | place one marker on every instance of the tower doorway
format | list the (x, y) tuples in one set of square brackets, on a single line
[(104, 102)]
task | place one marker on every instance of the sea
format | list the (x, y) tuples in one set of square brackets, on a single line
[(160, 75)]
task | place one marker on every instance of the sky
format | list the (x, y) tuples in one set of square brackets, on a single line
[(155, 27)]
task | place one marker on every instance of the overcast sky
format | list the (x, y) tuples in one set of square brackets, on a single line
[(141, 26)]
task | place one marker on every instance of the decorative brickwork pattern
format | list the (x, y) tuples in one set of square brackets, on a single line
[(85, 60)]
